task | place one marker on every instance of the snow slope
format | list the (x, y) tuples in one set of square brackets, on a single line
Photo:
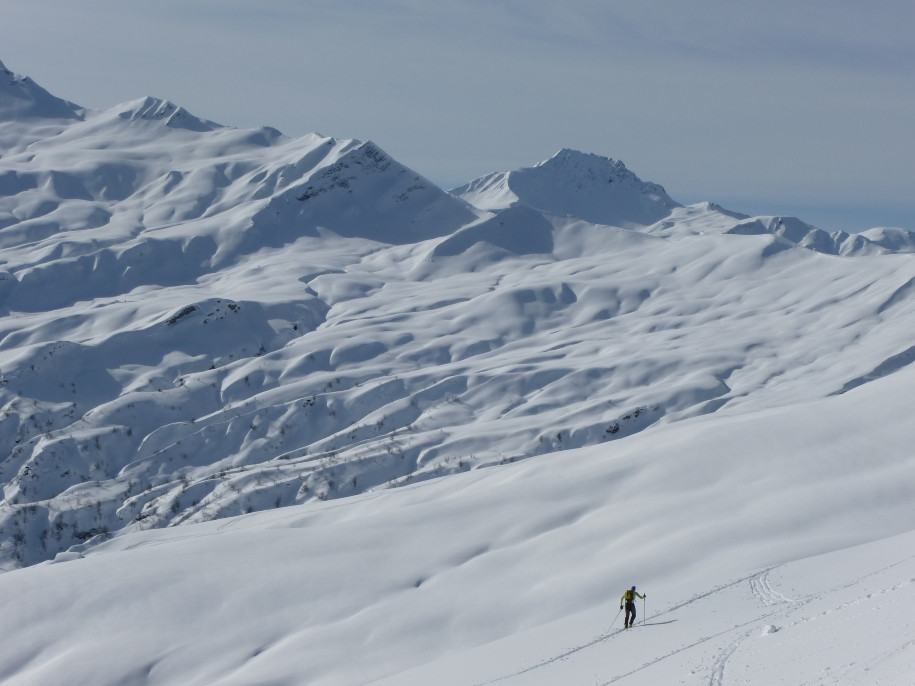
[(22, 99), (512, 574), (590, 187), (234, 367)]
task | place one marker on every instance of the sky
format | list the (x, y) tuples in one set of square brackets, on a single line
[(801, 107)]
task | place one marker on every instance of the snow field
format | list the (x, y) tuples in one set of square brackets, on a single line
[(234, 367), (352, 591)]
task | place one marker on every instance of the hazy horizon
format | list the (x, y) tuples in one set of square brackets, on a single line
[(775, 109)]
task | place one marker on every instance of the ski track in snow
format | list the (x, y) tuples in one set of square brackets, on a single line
[(552, 660), (666, 613), (280, 363), (780, 614), (761, 588), (700, 642)]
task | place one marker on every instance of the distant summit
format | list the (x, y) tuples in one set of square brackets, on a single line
[(22, 97), (572, 183), (172, 115)]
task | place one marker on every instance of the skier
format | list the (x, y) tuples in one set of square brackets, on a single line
[(629, 598)]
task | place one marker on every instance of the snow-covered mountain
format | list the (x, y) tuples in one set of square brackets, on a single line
[(23, 99), (590, 187), (199, 323)]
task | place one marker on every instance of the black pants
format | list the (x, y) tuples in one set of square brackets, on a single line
[(630, 613)]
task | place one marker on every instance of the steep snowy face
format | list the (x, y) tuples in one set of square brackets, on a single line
[(149, 180), (359, 191), (156, 109), (571, 183), (21, 97)]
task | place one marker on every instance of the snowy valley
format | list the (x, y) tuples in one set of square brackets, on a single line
[(283, 411)]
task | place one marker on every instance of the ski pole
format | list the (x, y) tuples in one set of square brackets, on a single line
[(614, 619), (644, 615)]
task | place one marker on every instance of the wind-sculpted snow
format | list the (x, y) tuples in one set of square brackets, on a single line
[(199, 322), (737, 528)]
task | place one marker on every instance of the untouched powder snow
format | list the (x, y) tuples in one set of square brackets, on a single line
[(249, 384)]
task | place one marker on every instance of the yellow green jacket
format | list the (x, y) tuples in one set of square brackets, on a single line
[(629, 596)]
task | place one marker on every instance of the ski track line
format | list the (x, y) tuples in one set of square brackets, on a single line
[(761, 588), (857, 581), (702, 640), (851, 603), (702, 596), (838, 675), (908, 645), (159, 541), (613, 634), (553, 659), (721, 661)]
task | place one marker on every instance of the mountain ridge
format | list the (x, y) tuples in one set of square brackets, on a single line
[(572, 183), (198, 322), (22, 97)]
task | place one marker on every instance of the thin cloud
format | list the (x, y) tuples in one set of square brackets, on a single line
[(793, 101)]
